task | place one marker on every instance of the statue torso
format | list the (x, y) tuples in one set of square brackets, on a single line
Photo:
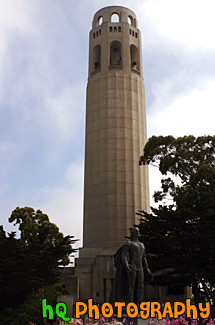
[(136, 253)]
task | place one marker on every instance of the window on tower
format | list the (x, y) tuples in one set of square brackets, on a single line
[(115, 53), (115, 18), (135, 61), (100, 20), (97, 57), (130, 20)]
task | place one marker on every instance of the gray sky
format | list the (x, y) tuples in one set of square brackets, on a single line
[(43, 77)]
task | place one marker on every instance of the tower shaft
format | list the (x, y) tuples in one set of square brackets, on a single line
[(115, 186)]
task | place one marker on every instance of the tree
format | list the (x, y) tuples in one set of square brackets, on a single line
[(32, 261), (181, 234)]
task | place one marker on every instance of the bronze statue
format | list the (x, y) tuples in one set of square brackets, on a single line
[(130, 261)]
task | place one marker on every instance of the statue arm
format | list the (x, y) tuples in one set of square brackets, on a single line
[(145, 263)]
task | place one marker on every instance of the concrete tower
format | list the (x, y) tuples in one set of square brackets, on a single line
[(115, 186)]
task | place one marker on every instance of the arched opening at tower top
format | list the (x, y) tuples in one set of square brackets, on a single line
[(115, 53), (100, 20), (97, 57), (130, 20), (135, 58), (115, 18)]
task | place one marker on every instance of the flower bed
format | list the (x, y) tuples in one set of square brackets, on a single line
[(103, 321)]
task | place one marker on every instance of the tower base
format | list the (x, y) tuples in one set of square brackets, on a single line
[(95, 270)]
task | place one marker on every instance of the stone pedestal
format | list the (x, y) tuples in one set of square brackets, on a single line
[(95, 274)]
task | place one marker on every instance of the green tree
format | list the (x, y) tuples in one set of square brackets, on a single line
[(31, 262), (180, 232)]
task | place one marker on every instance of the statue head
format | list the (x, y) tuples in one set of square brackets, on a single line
[(135, 233)]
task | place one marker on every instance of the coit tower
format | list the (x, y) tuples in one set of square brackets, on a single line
[(115, 186)]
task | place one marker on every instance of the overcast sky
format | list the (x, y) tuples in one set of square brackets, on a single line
[(43, 77)]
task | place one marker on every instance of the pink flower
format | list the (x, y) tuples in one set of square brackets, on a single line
[(102, 319), (166, 321)]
